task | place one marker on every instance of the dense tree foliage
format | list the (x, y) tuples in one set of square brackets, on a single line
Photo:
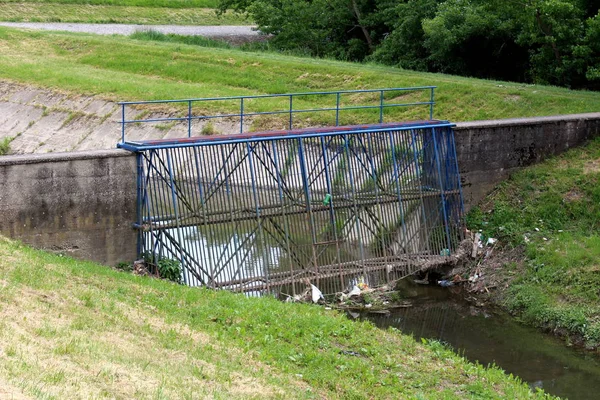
[(543, 41)]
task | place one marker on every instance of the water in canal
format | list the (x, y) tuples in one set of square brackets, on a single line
[(494, 338)]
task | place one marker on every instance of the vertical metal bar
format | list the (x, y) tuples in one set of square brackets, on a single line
[(431, 103), (337, 110), (307, 200), (283, 213), (332, 218), (442, 195), (354, 205), (242, 115), (381, 107), (257, 208), (175, 208), (122, 123), (189, 118), (419, 181), (397, 184), (291, 110)]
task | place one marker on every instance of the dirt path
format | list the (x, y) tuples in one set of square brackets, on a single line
[(124, 29)]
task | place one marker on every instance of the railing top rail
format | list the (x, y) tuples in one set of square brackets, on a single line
[(262, 96)]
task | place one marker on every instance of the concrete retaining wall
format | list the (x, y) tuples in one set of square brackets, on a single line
[(488, 151), (83, 204)]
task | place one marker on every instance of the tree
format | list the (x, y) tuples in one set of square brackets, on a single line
[(344, 29)]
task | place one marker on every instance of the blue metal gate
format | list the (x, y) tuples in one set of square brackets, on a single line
[(265, 212)]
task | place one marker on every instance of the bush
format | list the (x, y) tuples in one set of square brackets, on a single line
[(169, 269)]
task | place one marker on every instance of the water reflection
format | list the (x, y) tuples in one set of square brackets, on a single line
[(493, 338)]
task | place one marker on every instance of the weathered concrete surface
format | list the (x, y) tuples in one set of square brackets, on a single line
[(45, 121), (489, 151), (81, 204)]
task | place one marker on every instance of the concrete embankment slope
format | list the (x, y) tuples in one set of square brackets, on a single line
[(47, 121)]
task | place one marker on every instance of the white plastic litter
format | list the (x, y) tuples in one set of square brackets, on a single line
[(316, 294), (354, 292)]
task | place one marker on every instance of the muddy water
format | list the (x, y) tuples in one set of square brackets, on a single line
[(494, 338)]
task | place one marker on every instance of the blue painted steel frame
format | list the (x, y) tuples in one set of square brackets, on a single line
[(424, 150)]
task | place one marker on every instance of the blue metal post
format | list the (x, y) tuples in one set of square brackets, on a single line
[(381, 107), (431, 100), (242, 115), (291, 110), (122, 123), (337, 110), (190, 118)]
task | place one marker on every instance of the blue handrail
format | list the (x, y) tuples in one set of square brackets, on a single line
[(289, 111)]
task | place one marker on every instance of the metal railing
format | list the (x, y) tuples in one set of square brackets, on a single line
[(291, 110)]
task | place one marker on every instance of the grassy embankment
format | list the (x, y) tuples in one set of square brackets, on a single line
[(552, 210), (150, 12), (73, 329), (120, 68)]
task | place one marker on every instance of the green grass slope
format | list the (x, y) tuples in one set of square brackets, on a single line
[(552, 210), (72, 329), (127, 12), (124, 69)]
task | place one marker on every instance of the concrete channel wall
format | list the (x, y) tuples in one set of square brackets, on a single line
[(489, 151), (80, 204), (83, 203)]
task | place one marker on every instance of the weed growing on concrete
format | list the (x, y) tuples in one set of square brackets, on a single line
[(5, 146), (209, 129)]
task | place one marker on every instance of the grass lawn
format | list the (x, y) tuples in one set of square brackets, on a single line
[(120, 68), (126, 12), (73, 329), (553, 211)]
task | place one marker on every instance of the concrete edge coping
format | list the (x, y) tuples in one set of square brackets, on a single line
[(20, 159), (527, 121)]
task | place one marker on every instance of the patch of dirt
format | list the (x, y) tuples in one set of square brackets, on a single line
[(572, 196), (592, 167), (512, 98)]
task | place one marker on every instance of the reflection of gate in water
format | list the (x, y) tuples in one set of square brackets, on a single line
[(256, 212)]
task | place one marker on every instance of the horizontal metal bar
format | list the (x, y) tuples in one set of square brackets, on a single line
[(251, 114), (268, 213), (262, 96), (267, 136)]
